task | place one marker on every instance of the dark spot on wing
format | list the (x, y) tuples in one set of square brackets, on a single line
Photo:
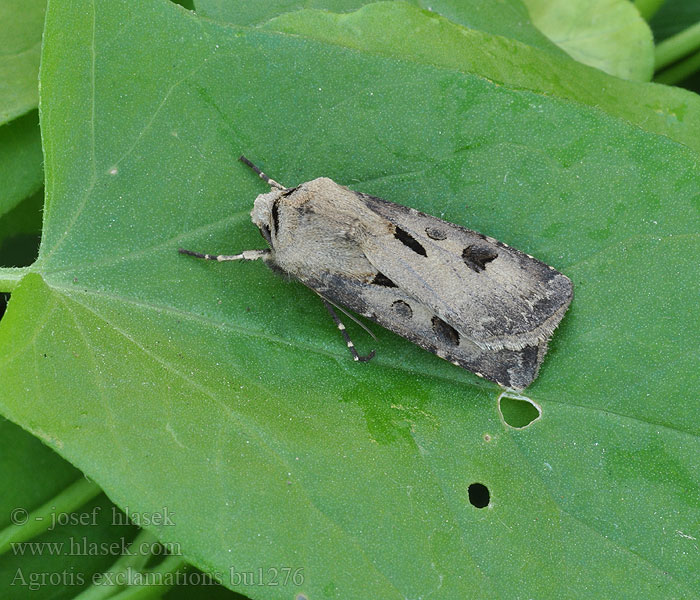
[(476, 257), (276, 215), (402, 309), (435, 233), (408, 240), (381, 279), (447, 334)]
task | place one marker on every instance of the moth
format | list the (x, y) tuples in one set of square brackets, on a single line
[(460, 294)]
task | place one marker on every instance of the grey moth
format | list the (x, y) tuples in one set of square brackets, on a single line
[(462, 295)]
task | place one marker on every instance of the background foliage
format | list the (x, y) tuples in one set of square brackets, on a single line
[(223, 392)]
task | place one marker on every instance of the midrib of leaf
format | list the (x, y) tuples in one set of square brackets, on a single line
[(583, 260), (606, 412)]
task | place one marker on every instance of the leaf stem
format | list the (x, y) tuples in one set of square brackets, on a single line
[(157, 580), (10, 277), (680, 70), (28, 525), (677, 46), (648, 8), (133, 560)]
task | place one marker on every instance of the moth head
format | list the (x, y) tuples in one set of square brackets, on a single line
[(264, 213)]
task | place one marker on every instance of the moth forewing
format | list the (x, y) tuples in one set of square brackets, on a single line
[(496, 295), (462, 295)]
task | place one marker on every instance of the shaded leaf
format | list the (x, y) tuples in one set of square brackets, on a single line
[(508, 18), (61, 561), (21, 173), (21, 24), (609, 35), (673, 17)]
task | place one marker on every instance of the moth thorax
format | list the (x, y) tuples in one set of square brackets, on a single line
[(261, 214)]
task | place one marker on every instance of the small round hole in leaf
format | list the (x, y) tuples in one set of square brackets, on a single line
[(479, 495)]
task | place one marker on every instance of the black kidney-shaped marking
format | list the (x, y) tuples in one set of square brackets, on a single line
[(447, 334), (408, 240)]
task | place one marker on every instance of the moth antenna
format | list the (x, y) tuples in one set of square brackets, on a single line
[(346, 337), (271, 182), (245, 255)]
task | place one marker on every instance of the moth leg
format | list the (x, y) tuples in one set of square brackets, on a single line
[(245, 255), (271, 182), (346, 336)]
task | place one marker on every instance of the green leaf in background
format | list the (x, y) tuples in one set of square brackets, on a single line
[(21, 23), (426, 38), (508, 18), (673, 17), (225, 393), (20, 232), (677, 58), (21, 173), (609, 35), (76, 542), (58, 563), (21, 169)]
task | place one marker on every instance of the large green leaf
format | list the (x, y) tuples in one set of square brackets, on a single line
[(224, 392)]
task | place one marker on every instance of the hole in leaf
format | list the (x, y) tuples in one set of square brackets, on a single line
[(479, 495), (518, 411)]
